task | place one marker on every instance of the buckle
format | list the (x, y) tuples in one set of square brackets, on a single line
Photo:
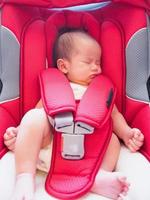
[(72, 146), (83, 128), (63, 122), (72, 135), (73, 142)]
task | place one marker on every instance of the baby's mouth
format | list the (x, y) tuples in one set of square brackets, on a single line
[(93, 76)]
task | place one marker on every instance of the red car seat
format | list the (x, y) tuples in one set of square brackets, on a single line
[(120, 59)]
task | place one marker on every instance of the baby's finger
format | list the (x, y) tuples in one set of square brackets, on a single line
[(12, 129), (10, 132), (132, 146), (10, 142), (9, 135), (11, 147), (141, 137), (138, 143), (138, 134), (15, 130)]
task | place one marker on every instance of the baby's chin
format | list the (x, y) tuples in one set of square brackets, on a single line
[(82, 83)]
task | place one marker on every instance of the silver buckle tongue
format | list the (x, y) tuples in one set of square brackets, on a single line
[(83, 128), (72, 146), (63, 122)]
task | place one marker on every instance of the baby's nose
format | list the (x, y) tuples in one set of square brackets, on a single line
[(96, 67)]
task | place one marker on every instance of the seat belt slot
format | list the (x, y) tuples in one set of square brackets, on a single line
[(148, 87), (1, 86)]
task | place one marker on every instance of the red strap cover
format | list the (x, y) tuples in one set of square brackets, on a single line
[(53, 86), (101, 93)]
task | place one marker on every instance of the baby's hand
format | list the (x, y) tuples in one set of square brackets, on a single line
[(10, 137), (136, 140)]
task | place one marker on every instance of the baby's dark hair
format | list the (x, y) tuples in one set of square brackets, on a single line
[(65, 43)]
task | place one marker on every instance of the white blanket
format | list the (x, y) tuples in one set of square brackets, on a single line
[(133, 165)]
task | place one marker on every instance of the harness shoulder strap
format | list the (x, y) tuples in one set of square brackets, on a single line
[(97, 102), (56, 92)]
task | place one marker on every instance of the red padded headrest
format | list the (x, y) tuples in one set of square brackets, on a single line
[(69, 20)]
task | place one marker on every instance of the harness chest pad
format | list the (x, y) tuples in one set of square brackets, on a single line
[(72, 178)]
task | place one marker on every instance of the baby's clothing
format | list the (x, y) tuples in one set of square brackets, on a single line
[(45, 153), (78, 90)]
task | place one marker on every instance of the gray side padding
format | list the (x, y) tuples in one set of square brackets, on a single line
[(0, 45), (9, 73), (137, 66)]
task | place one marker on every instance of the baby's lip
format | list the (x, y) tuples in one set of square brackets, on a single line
[(94, 75)]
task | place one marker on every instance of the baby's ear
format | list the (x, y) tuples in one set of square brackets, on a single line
[(61, 65)]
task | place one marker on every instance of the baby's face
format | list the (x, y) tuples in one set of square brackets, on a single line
[(84, 63)]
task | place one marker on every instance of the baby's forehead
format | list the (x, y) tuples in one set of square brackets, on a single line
[(83, 40), (76, 36), (81, 35)]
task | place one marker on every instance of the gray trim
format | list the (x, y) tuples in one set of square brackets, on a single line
[(148, 36), (137, 66), (1, 84), (10, 52), (0, 44)]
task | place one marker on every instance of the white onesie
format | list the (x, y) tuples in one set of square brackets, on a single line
[(45, 153)]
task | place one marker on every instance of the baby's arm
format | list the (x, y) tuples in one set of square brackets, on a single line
[(132, 137), (11, 133)]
